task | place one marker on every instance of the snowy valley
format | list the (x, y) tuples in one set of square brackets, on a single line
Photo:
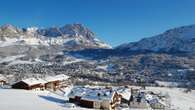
[(69, 68)]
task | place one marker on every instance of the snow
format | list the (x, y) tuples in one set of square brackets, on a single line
[(108, 67), (10, 58), (125, 92), (25, 100), (32, 100), (179, 99), (44, 100), (60, 77), (76, 60), (167, 84), (32, 41), (103, 67), (178, 38), (88, 93), (34, 81), (8, 42), (2, 77), (32, 29), (38, 60), (67, 91), (19, 62)]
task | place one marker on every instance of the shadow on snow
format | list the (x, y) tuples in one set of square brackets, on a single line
[(52, 99)]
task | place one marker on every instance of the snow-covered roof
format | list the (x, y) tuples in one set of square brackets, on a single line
[(34, 81), (124, 92), (153, 99), (2, 78), (92, 94), (149, 97), (59, 77)]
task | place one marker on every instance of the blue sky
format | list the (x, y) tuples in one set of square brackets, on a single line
[(114, 21)]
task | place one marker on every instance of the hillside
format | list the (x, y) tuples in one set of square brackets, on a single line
[(181, 39)]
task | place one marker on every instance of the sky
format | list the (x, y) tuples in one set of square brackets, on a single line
[(114, 21)]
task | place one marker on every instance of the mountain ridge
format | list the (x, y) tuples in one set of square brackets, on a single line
[(75, 34), (25, 52), (176, 39)]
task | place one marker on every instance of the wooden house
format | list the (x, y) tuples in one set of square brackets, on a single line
[(55, 82), (30, 84), (2, 80), (95, 98), (125, 94)]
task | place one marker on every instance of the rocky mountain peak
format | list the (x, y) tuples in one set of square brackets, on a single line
[(9, 28), (70, 36), (71, 30)]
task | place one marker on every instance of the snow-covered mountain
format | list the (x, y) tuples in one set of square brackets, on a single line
[(71, 36), (44, 45), (174, 40), (74, 50)]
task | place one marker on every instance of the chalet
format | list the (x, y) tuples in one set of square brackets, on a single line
[(30, 84), (97, 98), (124, 94), (2, 80), (55, 82)]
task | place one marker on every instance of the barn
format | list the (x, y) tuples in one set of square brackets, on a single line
[(30, 84)]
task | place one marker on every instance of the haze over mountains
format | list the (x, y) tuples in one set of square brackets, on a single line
[(75, 50)]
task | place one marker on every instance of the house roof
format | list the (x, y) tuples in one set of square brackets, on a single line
[(2, 78), (34, 81), (124, 92), (60, 77), (153, 99), (92, 94)]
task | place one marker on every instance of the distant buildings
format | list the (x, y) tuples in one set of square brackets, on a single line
[(140, 99), (155, 102), (137, 100), (116, 97), (50, 83), (106, 98)]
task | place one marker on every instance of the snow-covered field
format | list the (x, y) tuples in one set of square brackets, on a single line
[(31, 100), (43, 100), (179, 99)]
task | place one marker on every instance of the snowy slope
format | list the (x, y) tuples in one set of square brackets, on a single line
[(177, 39), (32, 100), (179, 99)]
